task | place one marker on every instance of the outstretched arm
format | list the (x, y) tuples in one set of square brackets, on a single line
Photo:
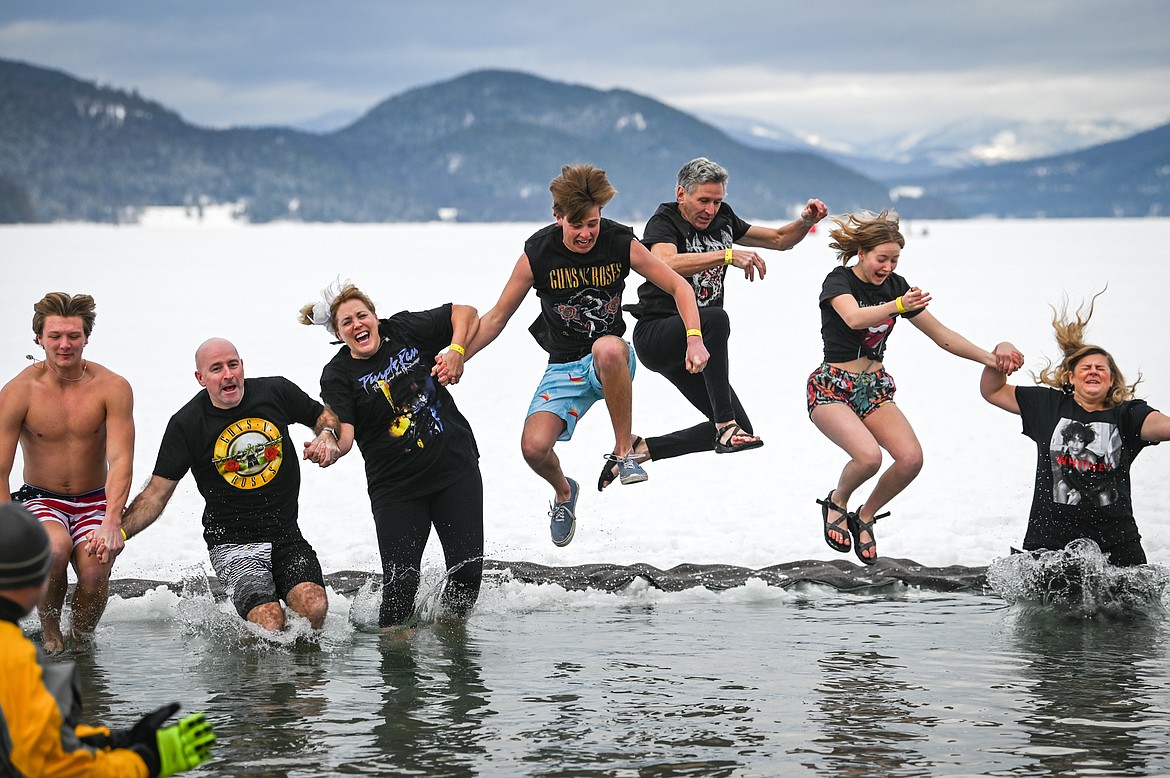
[(324, 449), (1156, 427), (780, 239), (784, 238), (492, 323), (993, 383), (657, 272), (1006, 360), (464, 326), (148, 505)]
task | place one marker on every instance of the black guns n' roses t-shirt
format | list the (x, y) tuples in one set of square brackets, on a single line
[(244, 463), (1082, 485), (412, 437), (580, 294)]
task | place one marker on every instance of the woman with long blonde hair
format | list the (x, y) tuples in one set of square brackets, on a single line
[(1088, 428)]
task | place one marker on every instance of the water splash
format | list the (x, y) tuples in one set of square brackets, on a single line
[(199, 612), (363, 610), (1079, 579)]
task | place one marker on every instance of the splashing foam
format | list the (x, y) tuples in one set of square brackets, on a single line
[(1079, 579)]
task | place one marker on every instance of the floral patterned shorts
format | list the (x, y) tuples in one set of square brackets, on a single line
[(863, 392)]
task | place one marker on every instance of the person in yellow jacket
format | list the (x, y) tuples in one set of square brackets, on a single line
[(40, 708)]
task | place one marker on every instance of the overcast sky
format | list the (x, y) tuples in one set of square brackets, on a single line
[(845, 70)]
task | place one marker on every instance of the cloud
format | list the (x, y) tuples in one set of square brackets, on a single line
[(847, 69)]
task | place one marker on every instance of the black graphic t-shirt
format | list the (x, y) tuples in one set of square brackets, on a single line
[(841, 342), (1082, 470), (580, 294), (667, 225), (244, 463), (412, 437)]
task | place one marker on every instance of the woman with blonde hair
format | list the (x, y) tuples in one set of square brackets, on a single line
[(1081, 491), (851, 396)]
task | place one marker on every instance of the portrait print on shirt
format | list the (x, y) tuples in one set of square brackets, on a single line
[(1084, 461)]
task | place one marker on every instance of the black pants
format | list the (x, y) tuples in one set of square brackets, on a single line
[(661, 345), (456, 513)]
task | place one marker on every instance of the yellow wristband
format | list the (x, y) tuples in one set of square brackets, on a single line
[(728, 256), (694, 333), (901, 308), (123, 534), (456, 347)]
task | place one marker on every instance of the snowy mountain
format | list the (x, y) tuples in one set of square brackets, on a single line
[(917, 155)]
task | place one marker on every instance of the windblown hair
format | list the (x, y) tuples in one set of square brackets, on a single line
[(325, 312), (701, 171), (579, 188), (62, 304), (1070, 338), (857, 232)]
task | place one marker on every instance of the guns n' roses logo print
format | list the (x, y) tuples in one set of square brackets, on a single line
[(248, 453)]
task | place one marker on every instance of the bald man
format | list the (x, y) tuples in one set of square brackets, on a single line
[(233, 437)]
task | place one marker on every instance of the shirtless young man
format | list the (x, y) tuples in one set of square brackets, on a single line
[(73, 420)]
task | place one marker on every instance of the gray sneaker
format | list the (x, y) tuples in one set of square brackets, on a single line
[(563, 517), (629, 471)]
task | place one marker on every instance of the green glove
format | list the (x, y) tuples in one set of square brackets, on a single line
[(185, 745), (178, 747)]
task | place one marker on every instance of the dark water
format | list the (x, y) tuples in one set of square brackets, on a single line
[(751, 681)]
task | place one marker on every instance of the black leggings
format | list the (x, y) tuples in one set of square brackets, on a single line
[(403, 528), (661, 345)]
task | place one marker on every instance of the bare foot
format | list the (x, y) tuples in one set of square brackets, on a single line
[(53, 642), (81, 641), (398, 632)]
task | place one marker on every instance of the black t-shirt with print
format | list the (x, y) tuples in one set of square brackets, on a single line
[(841, 342), (580, 294), (1082, 487), (412, 437), (244, 463), (667, 225)]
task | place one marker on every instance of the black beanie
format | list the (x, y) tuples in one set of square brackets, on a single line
[(24, 548)]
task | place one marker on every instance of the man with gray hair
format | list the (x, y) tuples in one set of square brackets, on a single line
[(696, 236)]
